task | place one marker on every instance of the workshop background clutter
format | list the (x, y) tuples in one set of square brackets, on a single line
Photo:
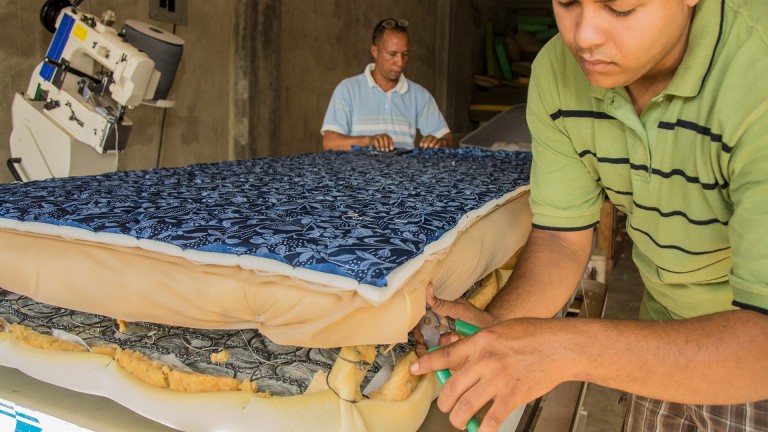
[(255, 78), (510, 47)]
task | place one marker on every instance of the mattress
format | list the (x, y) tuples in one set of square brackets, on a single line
[(318, 250), (277, 261)]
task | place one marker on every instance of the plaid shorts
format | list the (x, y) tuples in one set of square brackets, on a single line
[(653, 415)]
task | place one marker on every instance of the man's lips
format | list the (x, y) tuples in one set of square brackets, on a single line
[(595, 65)]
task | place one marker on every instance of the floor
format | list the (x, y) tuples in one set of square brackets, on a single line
[(625, 289)]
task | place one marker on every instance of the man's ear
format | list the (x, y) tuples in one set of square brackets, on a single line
[(374, 51), (691, 3)]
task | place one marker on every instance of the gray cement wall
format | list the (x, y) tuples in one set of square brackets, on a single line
[(256, 76)]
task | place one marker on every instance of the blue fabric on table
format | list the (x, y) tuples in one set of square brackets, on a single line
[(357, 214)]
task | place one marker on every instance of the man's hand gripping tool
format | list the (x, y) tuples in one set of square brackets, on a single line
[(431, 327)]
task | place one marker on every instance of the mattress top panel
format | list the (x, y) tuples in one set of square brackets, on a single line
[(357, 214)]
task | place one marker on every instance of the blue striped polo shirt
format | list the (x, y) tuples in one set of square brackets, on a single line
[(691, 172), (360, 107)]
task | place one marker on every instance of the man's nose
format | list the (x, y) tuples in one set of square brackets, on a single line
[(589, 31)]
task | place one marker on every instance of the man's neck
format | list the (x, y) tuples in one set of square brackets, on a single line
[(642, 91), (655, 81), (384, 83)]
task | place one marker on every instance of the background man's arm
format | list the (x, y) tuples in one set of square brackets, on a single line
[(337, 141)]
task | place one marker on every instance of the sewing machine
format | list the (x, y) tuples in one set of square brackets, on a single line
[(71, 120)]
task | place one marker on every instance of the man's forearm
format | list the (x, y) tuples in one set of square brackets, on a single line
[(715, 359), (337, 141), (545, 275)]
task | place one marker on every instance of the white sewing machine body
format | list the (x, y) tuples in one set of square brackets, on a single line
[(71, 121)]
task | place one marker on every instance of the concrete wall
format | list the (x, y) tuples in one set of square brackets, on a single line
[(257, 75)]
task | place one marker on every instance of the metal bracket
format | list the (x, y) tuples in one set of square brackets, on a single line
[(172, 11), (12, 167)]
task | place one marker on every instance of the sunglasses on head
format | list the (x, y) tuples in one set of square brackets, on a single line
[(390, 23)]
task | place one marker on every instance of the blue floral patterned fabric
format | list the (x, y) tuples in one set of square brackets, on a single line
[(356, 214)]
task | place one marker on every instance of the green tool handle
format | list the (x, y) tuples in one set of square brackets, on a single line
[(465, 329), (443, 375)]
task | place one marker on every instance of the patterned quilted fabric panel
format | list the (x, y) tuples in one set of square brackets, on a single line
[(356, 214)]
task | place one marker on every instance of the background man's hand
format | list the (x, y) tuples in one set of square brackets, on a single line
[(381, 142), (431, 141)]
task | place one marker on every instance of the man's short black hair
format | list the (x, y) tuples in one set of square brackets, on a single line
[(398, 25)]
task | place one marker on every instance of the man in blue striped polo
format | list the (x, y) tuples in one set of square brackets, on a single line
[(380, 108), (662, 106)]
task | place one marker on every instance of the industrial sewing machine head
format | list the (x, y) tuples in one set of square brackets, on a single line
[(71, 121)]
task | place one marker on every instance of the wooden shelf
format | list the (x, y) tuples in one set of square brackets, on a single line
[(610, 233)]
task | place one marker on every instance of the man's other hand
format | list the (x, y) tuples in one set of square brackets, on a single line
[(381, 142), (431, 141)]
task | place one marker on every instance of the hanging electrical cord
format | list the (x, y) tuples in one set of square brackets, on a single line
[(162, 134), (162, 128)]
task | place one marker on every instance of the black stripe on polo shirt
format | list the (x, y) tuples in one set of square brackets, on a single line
[(679, 173), (719, 278), (618, 192), (717, 44), (606, 160), (680, 213), (699, 129), (655, 171), (549, 228), (599, 115), (688, 178), (676, 247), (741, 305), (698, 269)]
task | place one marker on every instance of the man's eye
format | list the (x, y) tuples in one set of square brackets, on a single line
[(620, 13), (566, 4)]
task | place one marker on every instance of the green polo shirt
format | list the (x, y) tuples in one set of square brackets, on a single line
[(691, 173)]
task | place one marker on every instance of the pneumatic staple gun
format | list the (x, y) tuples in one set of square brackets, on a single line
[(431, 327)]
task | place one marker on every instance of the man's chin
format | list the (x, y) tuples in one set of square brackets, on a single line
[(606, 81)]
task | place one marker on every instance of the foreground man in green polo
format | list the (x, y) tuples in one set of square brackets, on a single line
[(662, 106)]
